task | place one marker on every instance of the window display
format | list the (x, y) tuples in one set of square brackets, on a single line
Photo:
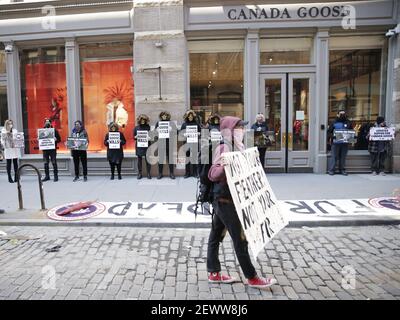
[(107, 87), (3, 105), (285, 51), (2, 59), (44, 93), (216, 78)]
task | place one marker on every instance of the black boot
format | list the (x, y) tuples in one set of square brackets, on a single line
[(139, 176), (10, 180), (112, 176), (46, 172), (55, 170), (16, 177), (55, 177), (119, 176), (148, 175)]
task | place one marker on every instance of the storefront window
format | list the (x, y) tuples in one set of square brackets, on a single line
[(44, 93), (285, 51), (107, 87), (216, 77), (355, 86), (3, 105)]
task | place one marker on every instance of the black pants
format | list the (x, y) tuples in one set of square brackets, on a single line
[(163, 155), (378, 161), (50, 155), (226, 219), (338, 152), (82, 156), (15, 162), (262, 156), (113, 165), (190, 168), (140, 164)]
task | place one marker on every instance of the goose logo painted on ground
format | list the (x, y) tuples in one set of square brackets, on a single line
[(386, 202)]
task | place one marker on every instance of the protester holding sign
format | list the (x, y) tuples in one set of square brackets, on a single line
[(166, 133), (115, 155), (191, 130), (50, 153), (339, 147), (80, 153), (260, 136), (11, 152), (141, 136), (378, 149), (226, 217)]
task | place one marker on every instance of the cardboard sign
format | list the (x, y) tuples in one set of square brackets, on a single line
[(382, 134), (77, 143), (16, 140), (215, 136), (344, 136), (114, 140), (191, 134), (163, 129), (256, 205), (142, 139), (46, 138)]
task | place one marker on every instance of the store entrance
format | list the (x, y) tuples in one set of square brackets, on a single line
[(287, 100)]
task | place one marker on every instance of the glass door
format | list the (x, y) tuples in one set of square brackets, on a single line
[(286, 101)]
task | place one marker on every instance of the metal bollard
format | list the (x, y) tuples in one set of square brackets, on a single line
[(21, 205)]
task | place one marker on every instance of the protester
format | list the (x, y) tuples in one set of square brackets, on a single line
[(163, 146), (11, 154), (51, 155), (378, 150), (226, 217), (142, 125), (261, 140), (213, 122), (339, 148), (80, 133), (190, 119), (115, 156)]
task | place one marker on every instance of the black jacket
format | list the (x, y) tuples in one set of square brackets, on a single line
[(115, 155), (142, 127), (190, 123)]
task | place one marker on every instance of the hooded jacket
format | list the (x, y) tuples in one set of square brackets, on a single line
[(217, 173), (194, 122)]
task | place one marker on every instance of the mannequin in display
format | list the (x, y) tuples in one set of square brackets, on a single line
[(55, 117), (117, 113)]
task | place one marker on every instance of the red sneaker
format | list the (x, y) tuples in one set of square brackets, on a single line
[(217, 277), (260, 283)]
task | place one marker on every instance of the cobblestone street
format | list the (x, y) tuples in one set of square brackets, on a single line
[(143, 263)]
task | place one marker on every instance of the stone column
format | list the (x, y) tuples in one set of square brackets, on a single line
[(321, 60), (14, 85), (251, 76), (73, 82), (160, 42)]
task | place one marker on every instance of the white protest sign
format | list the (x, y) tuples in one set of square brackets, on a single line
[(382, 134), (142, 139), (19, 140), (46, 138), (256, 205), (114, 140), (215, 135), (163, 129), (191, 134)]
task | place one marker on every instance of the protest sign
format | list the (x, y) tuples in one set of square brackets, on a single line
[(215, 135), (256, 205), (382, 134), (114, 140), (344, 136), (46, 139), (142, 138), (19, 140), (163, 129), (77, 143), (191, 134)]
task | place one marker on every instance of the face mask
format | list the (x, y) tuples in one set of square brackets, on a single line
[(190, 118), (216, 121), (142, 122), (47, 125)]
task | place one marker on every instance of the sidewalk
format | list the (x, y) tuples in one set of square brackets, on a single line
[(171, 201)]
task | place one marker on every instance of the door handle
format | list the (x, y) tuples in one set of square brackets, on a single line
[(290, 142)]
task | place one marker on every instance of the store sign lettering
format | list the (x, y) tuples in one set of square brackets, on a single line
[(285, 13)]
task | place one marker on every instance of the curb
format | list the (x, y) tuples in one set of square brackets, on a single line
[(193, 225)]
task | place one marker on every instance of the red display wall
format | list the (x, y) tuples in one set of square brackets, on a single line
[(102, 82), (46, 97)]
